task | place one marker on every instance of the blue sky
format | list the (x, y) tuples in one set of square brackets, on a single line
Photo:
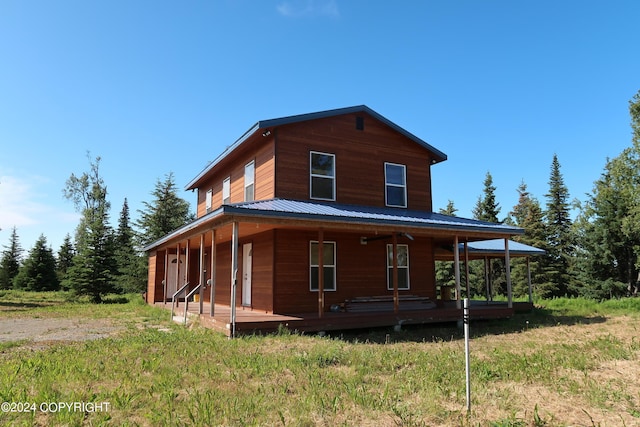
[(154, 87)]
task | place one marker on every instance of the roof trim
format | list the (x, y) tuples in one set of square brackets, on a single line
[(264, 124)]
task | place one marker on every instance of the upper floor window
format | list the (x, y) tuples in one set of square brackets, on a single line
[(249, 182), (328, 266), (226, 191), (323, 176), (402, 258), (209, 200), (395, 180)]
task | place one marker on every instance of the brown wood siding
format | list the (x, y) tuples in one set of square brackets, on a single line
[(360, 158), (155, 276), (361, 270), (262, 272), (262, 154)]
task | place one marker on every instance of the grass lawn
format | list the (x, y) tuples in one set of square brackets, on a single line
[(570, 362)]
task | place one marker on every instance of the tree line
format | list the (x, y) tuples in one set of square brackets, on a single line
[(101, 259), (597, 255)]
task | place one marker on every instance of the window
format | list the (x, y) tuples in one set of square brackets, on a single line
[(395, 185), (323, 178), (226, 191), (209, 200), (403, 266), (249, 181), (329, 266)]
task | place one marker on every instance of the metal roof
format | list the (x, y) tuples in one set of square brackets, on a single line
[(496, 246), (341, 213), (271, 123)]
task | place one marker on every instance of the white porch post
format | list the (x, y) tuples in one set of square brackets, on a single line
[(507, 267), (202, 278), (234, 274), (466, 267), (456, 263), (178, 285), (212, 295)]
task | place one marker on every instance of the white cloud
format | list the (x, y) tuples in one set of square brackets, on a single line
[(24, 204), (300, 8)]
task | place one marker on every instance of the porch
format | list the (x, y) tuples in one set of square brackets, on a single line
[(248, 321)]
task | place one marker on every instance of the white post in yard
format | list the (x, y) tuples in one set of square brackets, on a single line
[(466, 352), (234, 274)]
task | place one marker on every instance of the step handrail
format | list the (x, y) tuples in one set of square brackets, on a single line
[(186, 301), (173, 298)]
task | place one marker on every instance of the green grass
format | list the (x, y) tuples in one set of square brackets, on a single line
[(178, 376)]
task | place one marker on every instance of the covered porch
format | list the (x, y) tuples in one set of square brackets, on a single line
[(250, 267)]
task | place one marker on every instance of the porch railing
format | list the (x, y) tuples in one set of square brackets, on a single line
[(177, 294), (186, 301)]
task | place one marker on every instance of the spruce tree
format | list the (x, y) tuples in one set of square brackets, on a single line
[(64, 261), (487, 209), (10, 261), (164, 214), (94, 267), (560, 240), (131, 266), (38, 273)]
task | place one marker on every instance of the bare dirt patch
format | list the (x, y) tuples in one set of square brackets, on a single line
[(42, 332)]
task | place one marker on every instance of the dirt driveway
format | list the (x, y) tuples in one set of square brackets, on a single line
[(43, 331)]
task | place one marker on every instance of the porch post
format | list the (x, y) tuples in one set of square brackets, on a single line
[(320, 272), (486, 278), (202, 278), (166, 275), (456, 264), (507, 267), (212, 296), (529, 280), (178, 285), (396, 303), (234, 274), (466, 266), (187, 260)]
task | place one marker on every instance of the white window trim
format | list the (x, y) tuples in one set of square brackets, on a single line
[(390, 267), (387, 184), (312, 175), (209, 200), (251, 181), (226, 191), (335, 284)]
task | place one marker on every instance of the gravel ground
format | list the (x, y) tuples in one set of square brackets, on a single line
[(43, 331)]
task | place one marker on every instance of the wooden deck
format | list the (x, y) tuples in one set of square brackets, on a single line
[(251, 321)]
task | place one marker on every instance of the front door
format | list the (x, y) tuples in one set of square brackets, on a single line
[(172, 272), (247, 263)]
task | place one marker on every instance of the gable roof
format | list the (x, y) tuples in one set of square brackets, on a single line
[(264, 125), (496, 247)]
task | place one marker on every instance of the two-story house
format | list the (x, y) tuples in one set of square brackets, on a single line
[(303, 214)]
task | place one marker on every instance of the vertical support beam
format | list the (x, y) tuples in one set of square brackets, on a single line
[(466, 267), (178, 285), (212, 295), (202, 277), (456, 265), (166, 275), (507, 269), (396, 303), (234, 275), (320, 272), (486, 278), (187, 261), (529, 280)]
